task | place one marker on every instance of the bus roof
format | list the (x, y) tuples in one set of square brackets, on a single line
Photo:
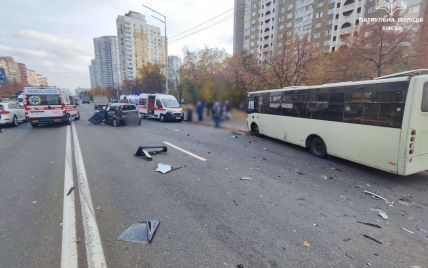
[(340, 84)]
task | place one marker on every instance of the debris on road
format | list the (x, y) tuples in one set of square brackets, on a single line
[(324, 177), (140, 232), (97, 118), (300, 173), (381, 214), (176, 130), (236, 133), (234, 137), (370, 224), (239, 266), (306, 244), (376, 196), (373, 239), (34, 202), (70, 191), (407, 230), (347, 239), (147, 151), (163, 168), (245, 179)]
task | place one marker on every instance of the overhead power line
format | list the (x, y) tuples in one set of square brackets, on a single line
[(202, 29), (179, 36)]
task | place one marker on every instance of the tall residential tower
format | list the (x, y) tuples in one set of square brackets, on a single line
[(139, 43)]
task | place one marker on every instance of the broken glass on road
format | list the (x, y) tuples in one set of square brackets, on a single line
[(140, 232)]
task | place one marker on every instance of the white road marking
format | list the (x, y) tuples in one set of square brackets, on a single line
[(94, 248), (69, 248), (184, 151)]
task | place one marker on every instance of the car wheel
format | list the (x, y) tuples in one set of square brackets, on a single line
[(15, 121), (34, 125), (317, 147), (162, 118), (255, 129), (68, 119), (77, 118), (115, 123)]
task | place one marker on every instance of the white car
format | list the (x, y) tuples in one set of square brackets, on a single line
[(11, 113)]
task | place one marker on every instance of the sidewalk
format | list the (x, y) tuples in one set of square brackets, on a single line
[(233, 125)]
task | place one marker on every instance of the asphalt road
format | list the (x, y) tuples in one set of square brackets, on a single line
[(209, 217)]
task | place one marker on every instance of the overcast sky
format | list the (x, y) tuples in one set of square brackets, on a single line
[(55, 37)]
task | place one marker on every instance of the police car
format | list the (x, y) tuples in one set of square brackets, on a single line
[(49, 105)]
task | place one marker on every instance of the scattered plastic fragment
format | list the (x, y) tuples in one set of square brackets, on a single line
[(140, 232), (246, 179), (324, 177), (163, 168), (234, 137), (148, 150), (349, 256), (97, 118), (300, 173), (421, 230), (176, 130), (34, 202), (373, 239), (70, 191), (306, 244), (403, 203), (376, 196), (370, 224), (407, 230), (239, 266)]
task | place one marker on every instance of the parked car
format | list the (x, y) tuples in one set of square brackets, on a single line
[(119, 114), (11, 113), (86, 99)]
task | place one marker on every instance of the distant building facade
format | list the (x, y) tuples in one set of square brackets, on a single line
[(139, 43), (262, 25), (104, 70), (174, 64), (11, 68)]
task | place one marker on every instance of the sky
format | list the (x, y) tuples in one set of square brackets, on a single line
[(54, 37)]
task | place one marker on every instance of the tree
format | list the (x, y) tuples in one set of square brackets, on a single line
[(151, 79), (385, 50), (9, 89)]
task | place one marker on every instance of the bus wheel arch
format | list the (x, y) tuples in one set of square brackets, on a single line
[(316, 146), (255, 129)]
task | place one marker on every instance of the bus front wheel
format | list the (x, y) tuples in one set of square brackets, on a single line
[(317, 147), (255, 129)]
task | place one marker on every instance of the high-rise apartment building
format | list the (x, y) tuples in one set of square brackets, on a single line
[(93, 74), (11, 68), (262, 25), (104, 69), (174, 64), (23, 73), (139, 43)]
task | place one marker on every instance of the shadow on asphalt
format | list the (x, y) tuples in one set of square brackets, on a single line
[(373, 173)]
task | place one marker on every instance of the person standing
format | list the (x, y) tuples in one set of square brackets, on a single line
[(200, 111), (217, 114), (209, 107), (227, 110)]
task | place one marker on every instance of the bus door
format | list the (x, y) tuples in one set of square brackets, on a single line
[(151, 104)]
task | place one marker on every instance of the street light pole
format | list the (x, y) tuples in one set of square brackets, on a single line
[(166, 45)]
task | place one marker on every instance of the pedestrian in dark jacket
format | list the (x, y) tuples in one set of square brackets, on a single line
[(200, 111), (217, 111)]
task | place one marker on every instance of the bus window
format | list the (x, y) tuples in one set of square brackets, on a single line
[(424, 107)]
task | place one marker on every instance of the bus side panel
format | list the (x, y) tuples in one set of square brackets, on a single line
[(416, 120), (348, 141)]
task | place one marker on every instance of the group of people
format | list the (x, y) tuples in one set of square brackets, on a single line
[(217, 110)]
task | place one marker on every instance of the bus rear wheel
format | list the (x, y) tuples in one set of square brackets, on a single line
[(255, 129), (317, 147)]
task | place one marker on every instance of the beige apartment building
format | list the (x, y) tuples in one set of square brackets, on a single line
[(139, 43), (261, 25)]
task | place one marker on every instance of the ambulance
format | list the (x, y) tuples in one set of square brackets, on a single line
[(158, 106), (50, 105)]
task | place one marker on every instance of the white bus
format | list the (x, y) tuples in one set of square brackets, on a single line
[(380, 123)]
